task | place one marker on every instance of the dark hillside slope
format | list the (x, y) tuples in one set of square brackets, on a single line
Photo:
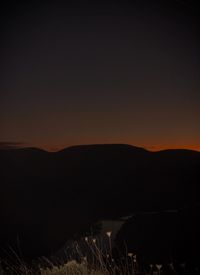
[(46, 197)]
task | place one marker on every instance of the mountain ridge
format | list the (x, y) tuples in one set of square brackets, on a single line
[(97, 145)]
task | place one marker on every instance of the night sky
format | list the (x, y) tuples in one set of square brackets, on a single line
[(100, 72)]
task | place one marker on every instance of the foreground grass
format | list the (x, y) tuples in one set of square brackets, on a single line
[(75, 268), (92, 258)]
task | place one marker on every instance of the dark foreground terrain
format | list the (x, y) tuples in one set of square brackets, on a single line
[(47, 198)]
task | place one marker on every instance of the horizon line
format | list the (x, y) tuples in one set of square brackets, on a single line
[(57, 148)]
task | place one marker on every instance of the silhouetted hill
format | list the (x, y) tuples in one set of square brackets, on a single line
[(47, 197)]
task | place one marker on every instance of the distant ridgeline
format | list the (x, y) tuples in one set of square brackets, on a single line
[(46, 198)]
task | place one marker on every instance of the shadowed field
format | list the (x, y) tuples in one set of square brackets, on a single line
[(50, 198)]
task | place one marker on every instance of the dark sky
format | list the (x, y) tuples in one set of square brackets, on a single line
[(100, 72)]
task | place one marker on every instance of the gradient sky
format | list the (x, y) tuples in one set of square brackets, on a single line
[(103, 72)]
